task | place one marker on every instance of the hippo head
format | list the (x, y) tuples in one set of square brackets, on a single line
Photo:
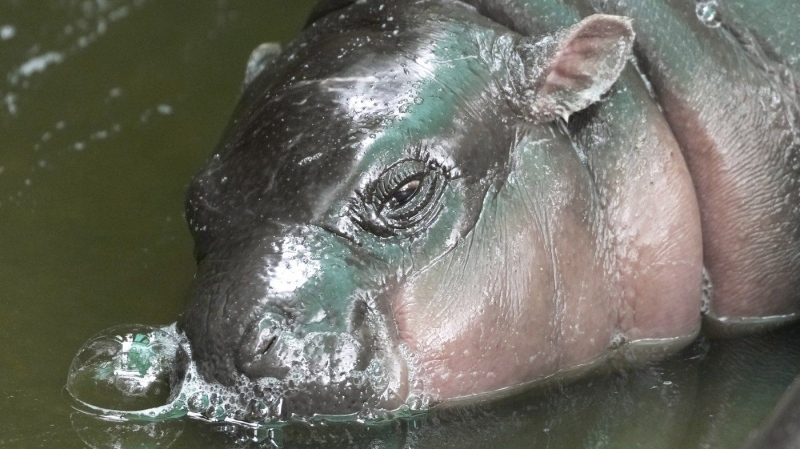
[(342, 227)]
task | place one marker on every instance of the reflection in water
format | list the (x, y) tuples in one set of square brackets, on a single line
[(709, 396), (99, 434)]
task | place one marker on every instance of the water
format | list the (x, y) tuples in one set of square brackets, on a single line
[(106, 109), (708, 396), (97, 149)]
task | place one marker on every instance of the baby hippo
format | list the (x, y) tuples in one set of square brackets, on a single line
[(423, 202)]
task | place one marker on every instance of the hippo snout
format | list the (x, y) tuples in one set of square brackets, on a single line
[(258, 355), (299, 327), (270, 348)]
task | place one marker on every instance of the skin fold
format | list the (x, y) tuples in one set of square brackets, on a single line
[(732, 104)]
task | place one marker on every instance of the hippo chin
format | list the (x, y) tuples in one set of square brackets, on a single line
[(418, 202)]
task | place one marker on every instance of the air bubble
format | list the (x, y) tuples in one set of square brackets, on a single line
[(414, 403), (209, 413), (257, 411), (617, 340), (198, 402), (131, 367), (220, 413)]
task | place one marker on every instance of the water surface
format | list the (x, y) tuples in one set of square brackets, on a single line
[(106, 109)]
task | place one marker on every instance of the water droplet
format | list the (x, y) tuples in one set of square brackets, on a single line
[(405, 108), (7, 32), (419, 100), (708, 13), (414, 402)]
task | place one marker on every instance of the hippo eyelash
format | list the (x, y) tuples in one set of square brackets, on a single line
[(402, 199), (423, 154), (396, 177)]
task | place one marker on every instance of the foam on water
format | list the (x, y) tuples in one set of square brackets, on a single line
[(144, 373)]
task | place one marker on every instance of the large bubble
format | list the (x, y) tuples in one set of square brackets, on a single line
[(128, 368)]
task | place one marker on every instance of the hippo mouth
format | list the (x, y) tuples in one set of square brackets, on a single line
[(142, 373)]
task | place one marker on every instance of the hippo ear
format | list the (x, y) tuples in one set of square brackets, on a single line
[(570, 69), (260, 59)]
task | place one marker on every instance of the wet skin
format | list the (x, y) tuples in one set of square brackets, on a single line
[(397, 193)]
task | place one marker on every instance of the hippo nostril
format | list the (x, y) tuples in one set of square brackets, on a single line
[(363, 332), (264, 345), (258, 355)]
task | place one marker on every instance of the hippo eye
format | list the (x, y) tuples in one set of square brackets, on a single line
[(398, 184), (404, 194), (403, 198)]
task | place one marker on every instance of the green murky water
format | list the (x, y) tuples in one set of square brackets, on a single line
[(106, 109)]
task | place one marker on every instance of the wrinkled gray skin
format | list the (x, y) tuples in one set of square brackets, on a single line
[(430, 191)]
